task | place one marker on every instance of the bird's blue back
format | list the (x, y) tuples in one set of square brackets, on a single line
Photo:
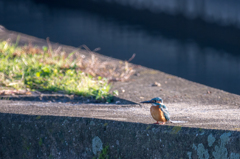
[(165, 111)]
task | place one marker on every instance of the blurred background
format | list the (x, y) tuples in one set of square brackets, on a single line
[(193, 39)]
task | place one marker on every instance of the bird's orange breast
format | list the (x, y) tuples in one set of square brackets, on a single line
[(157, 114)]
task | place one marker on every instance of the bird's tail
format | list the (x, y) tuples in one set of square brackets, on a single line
[(175, 122)]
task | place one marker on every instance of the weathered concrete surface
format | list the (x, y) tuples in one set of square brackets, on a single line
[(24, 136), (201, 106), (199, 116)]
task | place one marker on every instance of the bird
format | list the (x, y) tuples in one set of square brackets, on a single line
[(159, 111)]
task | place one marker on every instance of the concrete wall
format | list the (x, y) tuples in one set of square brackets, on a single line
[(23, 136)]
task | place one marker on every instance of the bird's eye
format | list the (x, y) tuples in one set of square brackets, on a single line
[(154, 101)]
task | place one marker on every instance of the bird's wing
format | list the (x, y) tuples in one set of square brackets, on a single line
[(165, 112), (167, 115)]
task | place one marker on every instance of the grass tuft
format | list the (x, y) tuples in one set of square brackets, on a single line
[(44, 69)]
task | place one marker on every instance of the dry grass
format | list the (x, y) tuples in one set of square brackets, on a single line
[(56, 70), (91, 65)]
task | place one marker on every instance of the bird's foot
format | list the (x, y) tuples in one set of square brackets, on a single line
[(159, 123)]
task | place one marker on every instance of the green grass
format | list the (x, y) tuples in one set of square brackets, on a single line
[(42, 69), (104, 154)]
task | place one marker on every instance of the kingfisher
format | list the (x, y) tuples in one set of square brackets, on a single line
[(159, 111)]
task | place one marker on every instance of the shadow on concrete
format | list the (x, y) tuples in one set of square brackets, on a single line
[(74, 137), (63, 98)]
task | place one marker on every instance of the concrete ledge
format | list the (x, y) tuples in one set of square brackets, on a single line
[(24, 136), (46, 136)]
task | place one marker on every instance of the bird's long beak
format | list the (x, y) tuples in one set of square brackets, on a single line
[(149, 101)]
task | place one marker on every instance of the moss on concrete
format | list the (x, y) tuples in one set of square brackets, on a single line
[(211, 140), (97, 145), (221, 151), (176, 129)]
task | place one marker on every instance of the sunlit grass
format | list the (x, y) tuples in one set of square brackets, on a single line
[(46, 70)]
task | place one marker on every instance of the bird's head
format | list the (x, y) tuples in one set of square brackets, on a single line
[(154, 101)]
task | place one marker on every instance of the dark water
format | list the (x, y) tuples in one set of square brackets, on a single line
[(193, 49)]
